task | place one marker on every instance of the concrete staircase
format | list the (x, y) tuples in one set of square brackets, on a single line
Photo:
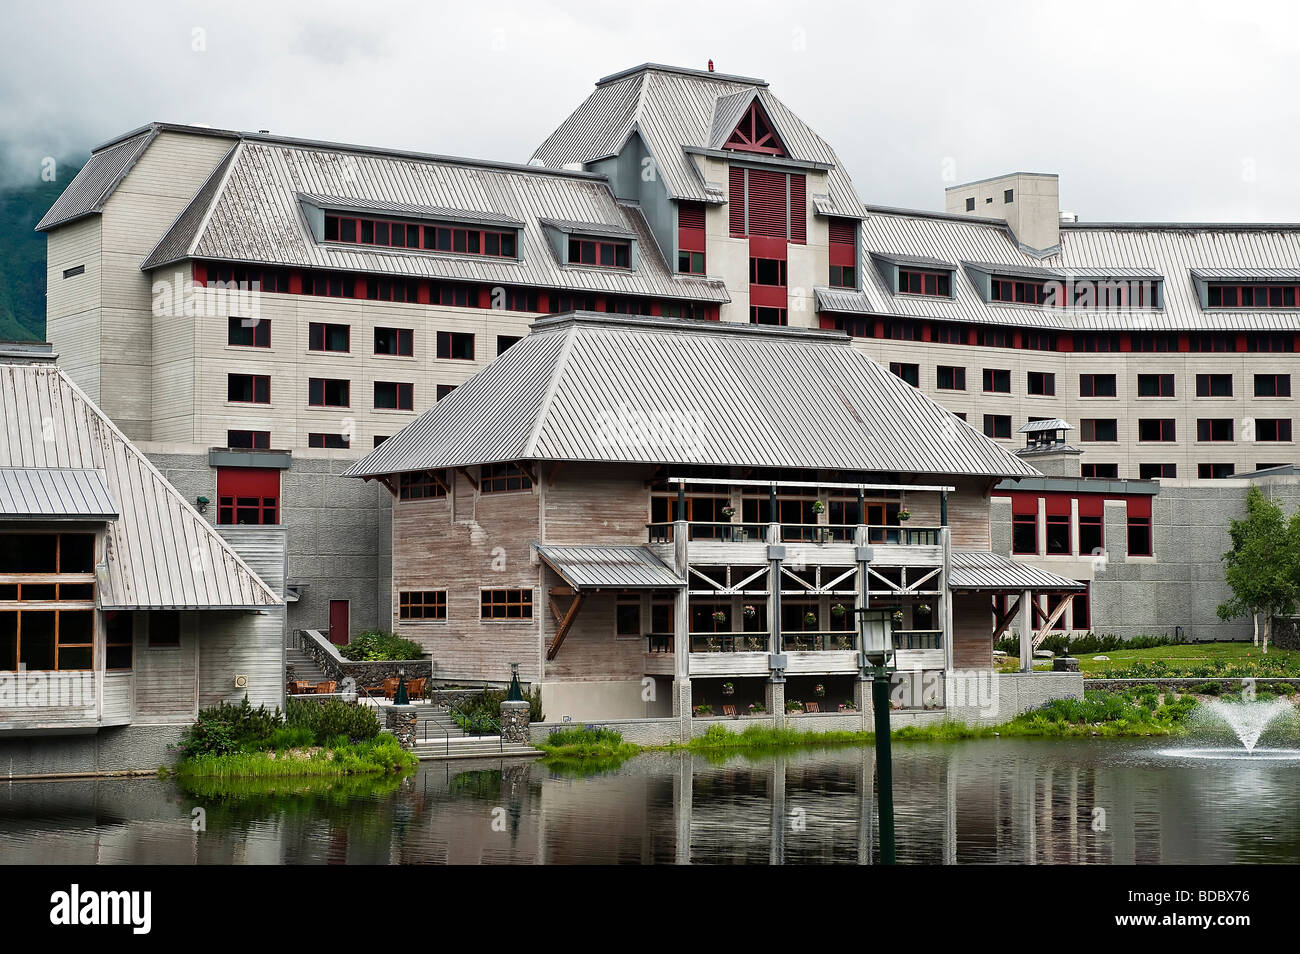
[(437, 736), (304, 666)]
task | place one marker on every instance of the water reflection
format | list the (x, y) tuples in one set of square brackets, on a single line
[(984, 801)]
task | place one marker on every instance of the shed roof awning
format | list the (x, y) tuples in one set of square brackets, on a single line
[(55, 493), (982, 570), (609, 568)]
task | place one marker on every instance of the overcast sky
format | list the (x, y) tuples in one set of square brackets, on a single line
[(1148, 110)]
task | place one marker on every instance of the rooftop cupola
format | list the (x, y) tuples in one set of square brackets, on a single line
[(1046, 448)]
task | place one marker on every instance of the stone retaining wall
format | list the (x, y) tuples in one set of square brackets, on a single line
[(1260, 682), (337, 667)]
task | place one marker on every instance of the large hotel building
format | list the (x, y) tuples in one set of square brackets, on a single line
[(257, 312)]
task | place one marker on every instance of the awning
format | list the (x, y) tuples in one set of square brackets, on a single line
[(982, 570), (55, 493), (613, 568)]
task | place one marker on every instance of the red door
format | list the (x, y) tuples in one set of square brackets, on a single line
[(339, 622)]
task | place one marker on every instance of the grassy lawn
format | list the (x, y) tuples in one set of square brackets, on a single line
[(1208, 659)]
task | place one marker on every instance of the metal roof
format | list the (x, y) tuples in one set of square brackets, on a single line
[(250, 212), (1047, 424), (595, 568), (50, 493), (160, 553), (588, 387), (1248, 274), (91, 187), (673, 109), (407, 209), (1132, 250), (983, 570)]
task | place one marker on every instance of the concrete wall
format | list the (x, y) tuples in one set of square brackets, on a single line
[(133, 748)]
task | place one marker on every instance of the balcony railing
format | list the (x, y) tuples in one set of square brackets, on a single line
[(659, 643), (918, 639), (816, 642), (729, 642), (815, 533)]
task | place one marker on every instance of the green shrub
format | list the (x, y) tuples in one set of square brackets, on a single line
[(1087, 644), (225, 728), (376, 645), (333, 718)]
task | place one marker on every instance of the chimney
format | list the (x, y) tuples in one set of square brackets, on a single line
[(1029, 202)]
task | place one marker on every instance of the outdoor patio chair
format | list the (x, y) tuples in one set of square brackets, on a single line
[(728, 710), (812, 707), (324, 688)]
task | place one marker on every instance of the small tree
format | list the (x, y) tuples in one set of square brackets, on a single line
[(1263, 566)]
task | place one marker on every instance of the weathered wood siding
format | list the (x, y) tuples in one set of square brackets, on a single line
[(590, 504), (249, 644), (166, 679), (968, 512), (972, 638)]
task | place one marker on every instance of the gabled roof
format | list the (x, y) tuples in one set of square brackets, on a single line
[(250, 210), (674, 110), (1141, 252), (161, 554), (587, 387), (982, 570)]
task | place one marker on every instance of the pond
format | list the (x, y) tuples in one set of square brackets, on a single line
[(993, 800)]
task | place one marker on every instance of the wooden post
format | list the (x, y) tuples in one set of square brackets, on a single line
[(1026, 631)]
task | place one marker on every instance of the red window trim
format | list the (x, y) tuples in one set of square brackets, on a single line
[(472, 240)]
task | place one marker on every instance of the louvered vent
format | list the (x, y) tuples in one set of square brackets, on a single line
[(690, 215), (798, 209), (843, 232), (767, 203), (736, 201)]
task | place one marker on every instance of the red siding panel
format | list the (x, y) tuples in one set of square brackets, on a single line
[(736, 201)]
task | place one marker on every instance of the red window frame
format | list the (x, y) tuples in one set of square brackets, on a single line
[(1018, 291), (1278, 427), (1088, 429), (260, 328), (1210, 430), (318, 337), (403, 396), (1256, 295), (690, 238), (915, 281), (247, 495), (248, 440), (329, 441), (600, 253), (1139, 518), (261, 390), (1166, 427), (1088, 385), (994, 426), (422, 236), (451, 342), (1281, 385), (317, 389), (1165, 386), (403, 341)]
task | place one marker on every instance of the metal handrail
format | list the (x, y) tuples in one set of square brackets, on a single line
[(826, 640), (918, 638), (446, 736), (731, 642), (884, 534)]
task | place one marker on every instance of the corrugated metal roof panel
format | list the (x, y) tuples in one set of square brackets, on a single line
[(982, 570), (92, 186), (254, 216), (593, 568), (160, 554), (406, 209), (598, 388), (48, 493)]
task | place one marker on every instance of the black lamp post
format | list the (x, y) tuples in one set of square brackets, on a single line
[(516, 692), (400, 697), (877, 660)]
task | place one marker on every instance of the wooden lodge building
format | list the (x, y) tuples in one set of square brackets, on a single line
[(652, 517)]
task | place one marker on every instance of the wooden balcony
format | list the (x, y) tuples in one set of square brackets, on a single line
[(42, 701)]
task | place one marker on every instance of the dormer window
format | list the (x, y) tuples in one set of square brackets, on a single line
[(913, 281), (754, 133), (1256, 296), (604, 253), (1019, 291), (440, 237)]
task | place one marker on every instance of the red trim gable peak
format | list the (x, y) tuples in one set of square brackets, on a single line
[(754, 133)]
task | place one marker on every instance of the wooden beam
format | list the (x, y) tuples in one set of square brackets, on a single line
[(554, 472), (464, 472), (565, 624), (1002, 622), (1046, 629), (528, 469)]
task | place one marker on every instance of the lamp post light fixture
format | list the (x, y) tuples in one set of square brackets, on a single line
[(877, 658), (516, 692), (400, 697)]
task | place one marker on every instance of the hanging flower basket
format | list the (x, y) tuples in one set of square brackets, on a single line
[(749, 611), (728, 688), (904, 514), (838, 610), (757, 708), (898, 617), (719, 617), (818, 507), (924, 608), (728, 512), (819, 690), (810, 619)]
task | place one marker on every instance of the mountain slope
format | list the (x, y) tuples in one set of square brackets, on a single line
[(22, 255)]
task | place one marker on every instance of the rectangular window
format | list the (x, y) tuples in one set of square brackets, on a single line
[(1058, 533), (1091, 534), (422, 484), (47, 568), (949, 378), (997, 426), (767, 271), (506, 604), (456, 345), (605, 253), (439, 237), (1096, 385), (1270, 342), (1156, 429), (457, 296), (1214, 471), (1041, 383), (249, 332), (1105, 471), (1273, 429), (74, 271), (690, 238), (945, 333), (627, 616), (1211, 342), (394, 396), (248, 388), (1096, 342), (1272, 385), (1257, 296), (844, 276), (993, 337), (997, 380), (505, 341), (1214, 385), (1080, 608), (248, 495), (1018, 291), (1139, 527), (1214, 429), (917, 282), (248, 440), (119, 640), (503, 478), (443, 390), (1155, 385), (1038, 340), (767, 316), (164, 629), (328, 441), (392, 289), (1104, 429), (328, 392), (328, 337), (1157, 471), (1155, 342), (1024, 526), (422, 604), (911, 373), (395, 341)]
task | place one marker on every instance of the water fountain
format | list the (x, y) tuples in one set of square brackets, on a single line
[(1248, 722)]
